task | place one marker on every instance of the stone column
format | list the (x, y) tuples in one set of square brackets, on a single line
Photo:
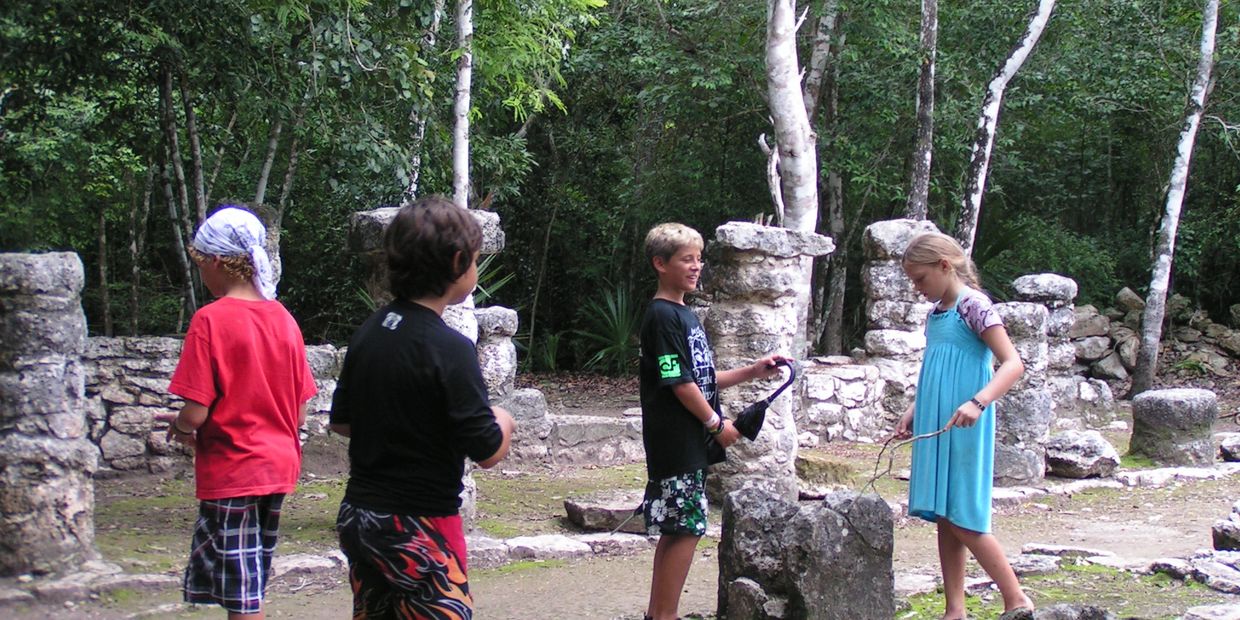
[(895, 311), (1078, 402), (753, 314), (496, 352), (47, 499), (1175, 426), (1023, 416)]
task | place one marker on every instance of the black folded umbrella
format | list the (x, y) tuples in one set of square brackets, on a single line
[(749, 422)]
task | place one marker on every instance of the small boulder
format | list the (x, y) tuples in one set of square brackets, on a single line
[(1081, 454), (1128, 300)]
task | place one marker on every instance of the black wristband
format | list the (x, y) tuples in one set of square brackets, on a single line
[(980, 406), (177, 429)]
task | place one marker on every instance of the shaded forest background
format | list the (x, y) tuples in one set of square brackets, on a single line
[(591, 123)]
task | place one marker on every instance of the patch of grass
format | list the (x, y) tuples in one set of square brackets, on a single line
[(308, 519), (498, 529), (522, 566), (533, 503), (1123, 594), (1137, 461)]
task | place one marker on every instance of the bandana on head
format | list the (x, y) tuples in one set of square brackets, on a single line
[(237, 232)]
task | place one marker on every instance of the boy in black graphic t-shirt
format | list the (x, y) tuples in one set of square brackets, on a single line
[(680, 407), (412, 400)]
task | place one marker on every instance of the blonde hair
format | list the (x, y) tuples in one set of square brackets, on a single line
[(238, 267), (666, 239), (930, 248)]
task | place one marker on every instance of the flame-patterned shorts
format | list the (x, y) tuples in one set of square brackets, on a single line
[(403, 566)]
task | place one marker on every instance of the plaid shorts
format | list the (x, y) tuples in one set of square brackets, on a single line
[(676, 505), (230, 559), (406, 567)]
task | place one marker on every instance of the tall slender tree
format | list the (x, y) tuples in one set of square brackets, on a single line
[(1156, 300), (917, 207), (460, 109), (988, 121)]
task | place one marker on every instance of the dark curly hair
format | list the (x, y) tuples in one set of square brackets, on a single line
[(429, 244)]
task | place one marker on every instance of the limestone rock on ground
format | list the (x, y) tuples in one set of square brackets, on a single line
[(1081, 454)]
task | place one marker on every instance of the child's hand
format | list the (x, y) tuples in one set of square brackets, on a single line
[(173, 434), (904, 428), (728, 435), (768, 366), (966, 415)]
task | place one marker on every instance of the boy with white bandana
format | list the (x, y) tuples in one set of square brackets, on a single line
[(245, 381)]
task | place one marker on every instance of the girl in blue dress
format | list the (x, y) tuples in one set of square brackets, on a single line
[(951, 472)]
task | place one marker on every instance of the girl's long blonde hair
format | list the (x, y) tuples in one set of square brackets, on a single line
[(930, 248)]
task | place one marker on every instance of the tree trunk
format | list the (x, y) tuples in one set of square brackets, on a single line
[(137, 242), (174, 148), (273, 145), (219, 156), (988, 120), (824, 70), (179, 243), (460, 110), (917, 207), (1156, 301), (542, 269), (105, 300), (419, 116), (798, 155), (195, 150), (820, 57)]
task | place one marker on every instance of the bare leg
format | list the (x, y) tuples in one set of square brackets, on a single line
[(257, 616), (951, 561), (989, 554), (672, 558)]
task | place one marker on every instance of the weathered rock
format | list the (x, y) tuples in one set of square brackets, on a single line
[(1129, 301), (1173, 427), (829, 559), (1092, 348), (1089, 323), (1127, 351), (46, 459), (1226, 532), (886, 280), (497, 355), (894, 343), (606, 511), (887, 240), (1063, 551), (546, 547), (1109, 367), (616, 544), (1229, 447), (1027, 564), (1179, 308), (1087, 454), (1186, 334), (486, 552), (597, 440), (1228, 611), (1050, 289)]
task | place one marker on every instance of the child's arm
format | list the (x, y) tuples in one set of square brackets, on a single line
[(1009, 371), (690, 395), (182, 427), (506, 426), (904, 428), (764, 368)]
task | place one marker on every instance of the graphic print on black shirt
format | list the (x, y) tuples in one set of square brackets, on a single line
[(674, 350)]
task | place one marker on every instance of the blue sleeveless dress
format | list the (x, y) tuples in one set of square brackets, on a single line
[(951, 473)]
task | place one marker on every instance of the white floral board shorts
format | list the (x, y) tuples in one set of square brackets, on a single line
[(676, 505)]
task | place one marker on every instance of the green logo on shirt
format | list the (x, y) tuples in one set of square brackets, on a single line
[(669, 366)]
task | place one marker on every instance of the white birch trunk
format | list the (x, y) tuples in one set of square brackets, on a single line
[(460, 111), (988, 120), (798, 153), (820, 57), (1156, 301), (137, 241), (195, 150), (918, 207), (273, 145)]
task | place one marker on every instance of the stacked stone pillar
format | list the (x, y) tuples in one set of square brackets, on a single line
[(755, 284), (1023, 416), (47, 499), (895, 311), (1079, 402)]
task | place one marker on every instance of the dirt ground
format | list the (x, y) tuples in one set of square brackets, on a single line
[(143, 525)]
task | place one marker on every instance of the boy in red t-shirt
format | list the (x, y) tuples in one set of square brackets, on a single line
[(245, 381)]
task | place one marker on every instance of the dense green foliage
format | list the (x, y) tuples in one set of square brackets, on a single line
[(590, 124)]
